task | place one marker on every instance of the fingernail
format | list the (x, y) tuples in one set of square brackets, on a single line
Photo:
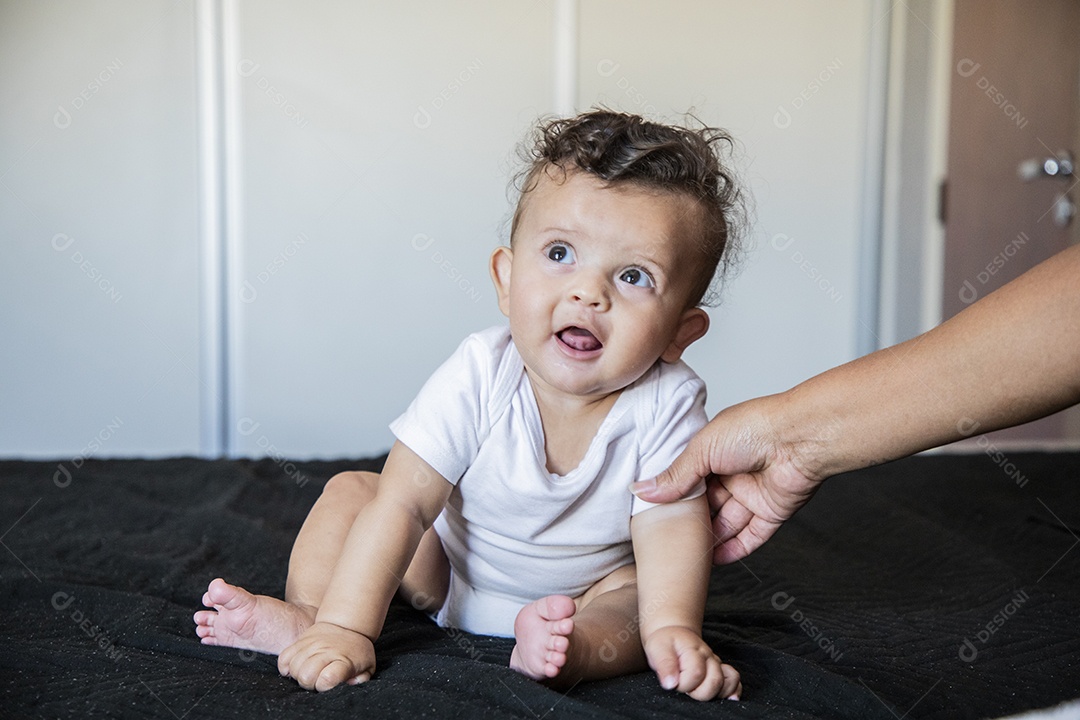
[(733, 697), (669, 682), (643, 485)]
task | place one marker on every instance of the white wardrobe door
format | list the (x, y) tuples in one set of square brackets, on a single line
[(99, 277), (377, 144)]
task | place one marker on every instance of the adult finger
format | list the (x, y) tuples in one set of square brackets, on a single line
[(730, 518), (684, 474), (749, 539)]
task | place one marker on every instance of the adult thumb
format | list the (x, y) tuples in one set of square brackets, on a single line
[(680, 478)]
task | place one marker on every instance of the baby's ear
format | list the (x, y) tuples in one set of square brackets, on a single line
[(693, 324), (502, 261)]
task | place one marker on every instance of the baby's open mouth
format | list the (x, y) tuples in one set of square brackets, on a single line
[(580, 339)]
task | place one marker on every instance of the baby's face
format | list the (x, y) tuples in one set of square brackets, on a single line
[(598, 282)]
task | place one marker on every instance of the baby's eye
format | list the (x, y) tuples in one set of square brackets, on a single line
[(637, 276), (560, 253)]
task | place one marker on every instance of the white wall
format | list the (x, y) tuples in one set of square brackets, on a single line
[(99, 331), (375, 143), (790, 81)]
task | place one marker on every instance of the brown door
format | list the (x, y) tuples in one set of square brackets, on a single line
[(1014, 103)]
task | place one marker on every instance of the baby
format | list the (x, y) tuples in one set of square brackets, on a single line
[(504, 504)]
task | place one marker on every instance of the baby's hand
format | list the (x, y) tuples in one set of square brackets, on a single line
[(327, 655), (685, 662)]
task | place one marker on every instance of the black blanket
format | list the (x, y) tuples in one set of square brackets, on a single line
[(940, 587)]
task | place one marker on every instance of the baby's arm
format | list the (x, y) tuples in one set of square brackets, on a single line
[(378, 550), (673, 550)]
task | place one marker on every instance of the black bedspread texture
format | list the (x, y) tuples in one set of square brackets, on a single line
[(932, 587)]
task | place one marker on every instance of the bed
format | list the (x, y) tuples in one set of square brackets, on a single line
[(940, 586)]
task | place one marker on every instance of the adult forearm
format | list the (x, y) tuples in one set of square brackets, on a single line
[(1011, 357)]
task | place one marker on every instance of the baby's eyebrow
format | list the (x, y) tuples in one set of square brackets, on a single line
[(559, 230), (652, 262)]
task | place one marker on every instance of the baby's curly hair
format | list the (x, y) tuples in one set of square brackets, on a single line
[(621, 148)]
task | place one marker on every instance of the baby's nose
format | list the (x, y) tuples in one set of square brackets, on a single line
[(590, 289)]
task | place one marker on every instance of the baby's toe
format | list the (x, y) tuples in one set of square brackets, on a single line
[(558, 643), (558, 659), (557, 607), (561, 627)]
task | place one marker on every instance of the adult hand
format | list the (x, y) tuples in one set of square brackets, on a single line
[(754, 481), (1011, 357)]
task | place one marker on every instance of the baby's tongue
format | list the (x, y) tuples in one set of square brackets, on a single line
[(580, 339)]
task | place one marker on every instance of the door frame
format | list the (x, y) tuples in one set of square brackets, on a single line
[(917, 106)]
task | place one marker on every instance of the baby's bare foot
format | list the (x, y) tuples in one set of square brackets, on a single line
[(542, 630), (250, 622)]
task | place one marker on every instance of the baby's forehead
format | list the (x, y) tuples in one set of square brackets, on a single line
[(563, 186), (557, 192)]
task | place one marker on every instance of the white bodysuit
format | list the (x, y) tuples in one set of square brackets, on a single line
[(514, 532)]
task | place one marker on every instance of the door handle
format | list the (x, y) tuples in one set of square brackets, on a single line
[(1060, 166)]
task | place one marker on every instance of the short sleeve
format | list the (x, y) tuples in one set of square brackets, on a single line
[(677, 414), (448, 419)]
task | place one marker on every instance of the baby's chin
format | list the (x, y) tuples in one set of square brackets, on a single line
[(567, 380)]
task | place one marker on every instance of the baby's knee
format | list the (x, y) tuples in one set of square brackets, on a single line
[(626, 576), (352, 486)]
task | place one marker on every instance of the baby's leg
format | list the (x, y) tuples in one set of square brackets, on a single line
[(565, 641), (266, 624), (318, 547)]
